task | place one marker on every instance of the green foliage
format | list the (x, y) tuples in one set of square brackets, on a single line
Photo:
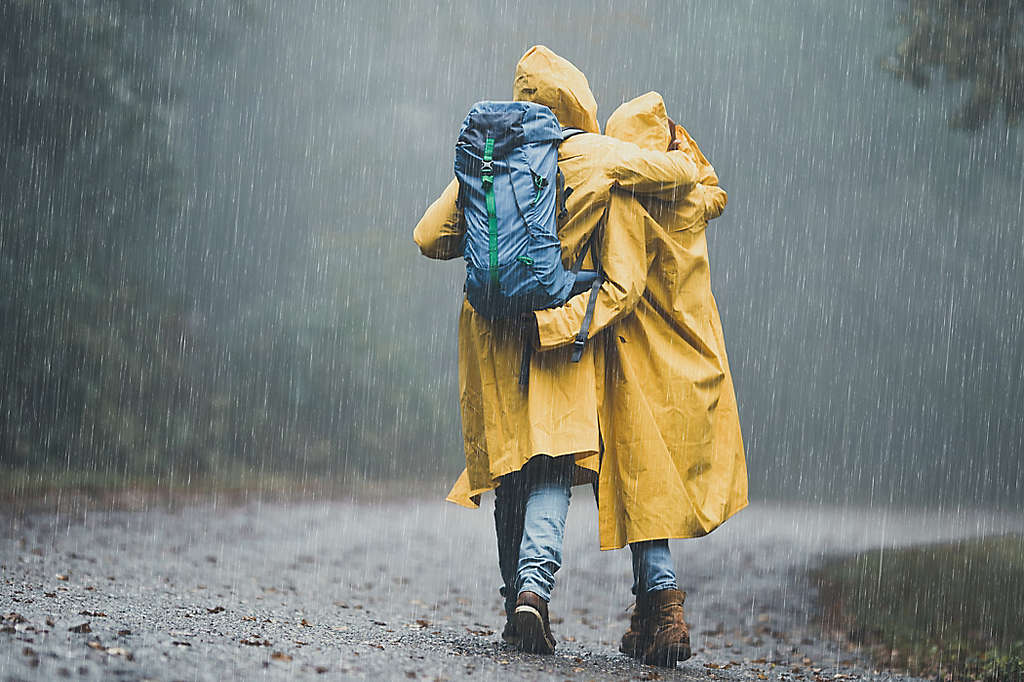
[(980, 43), (947, 608), (1003, 666)]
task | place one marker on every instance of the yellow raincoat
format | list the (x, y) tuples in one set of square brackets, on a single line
[(504, 425), (673, 464)]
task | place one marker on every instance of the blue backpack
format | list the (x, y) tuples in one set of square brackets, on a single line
[(511, 194)]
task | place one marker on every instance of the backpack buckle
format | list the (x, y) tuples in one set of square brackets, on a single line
[(487, 167), (577, 348)]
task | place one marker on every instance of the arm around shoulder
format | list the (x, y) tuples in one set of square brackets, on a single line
[(660, 174), (624, 261)]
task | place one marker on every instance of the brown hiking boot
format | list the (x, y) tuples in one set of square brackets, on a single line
[(510, 635), (638, 637), (670, 638), (530, 620)]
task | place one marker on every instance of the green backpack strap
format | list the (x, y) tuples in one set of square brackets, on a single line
[(487, 179)]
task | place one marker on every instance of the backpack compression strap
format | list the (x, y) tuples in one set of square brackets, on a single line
[(487, 179)]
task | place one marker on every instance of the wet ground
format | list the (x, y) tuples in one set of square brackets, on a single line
[(339, 590)]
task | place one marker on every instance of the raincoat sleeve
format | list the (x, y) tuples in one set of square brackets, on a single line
[(439, 232), (624, 260), (665, 175), (715, 199)]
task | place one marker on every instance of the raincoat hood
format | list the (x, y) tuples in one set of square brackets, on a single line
[(545, 78), (642, 121)]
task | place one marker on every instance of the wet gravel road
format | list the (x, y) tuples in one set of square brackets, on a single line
[(387, 590)]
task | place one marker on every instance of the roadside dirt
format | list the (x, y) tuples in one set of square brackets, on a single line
[(339, 590)]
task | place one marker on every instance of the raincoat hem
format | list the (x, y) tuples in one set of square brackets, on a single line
[(464, 496), (676, 536)]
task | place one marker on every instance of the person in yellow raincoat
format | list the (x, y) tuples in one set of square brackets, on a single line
[(530, 445), (673, 463)]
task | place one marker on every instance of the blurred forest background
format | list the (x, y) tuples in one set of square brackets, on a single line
[(206, 210)]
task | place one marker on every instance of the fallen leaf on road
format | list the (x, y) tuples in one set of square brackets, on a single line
[(178, 643), (123, 653), (216, 609), (254, 641), (28, 651), (14, 618), (320, 669), (94, 645), (305, 623), (124, 632), (62, 576), (80, 629), (280, 656), (94, 614), (480, 633)]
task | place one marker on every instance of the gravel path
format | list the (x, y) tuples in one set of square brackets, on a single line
[(338, 590)]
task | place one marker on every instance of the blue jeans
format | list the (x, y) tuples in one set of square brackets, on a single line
[(652, 567), (530, 507)]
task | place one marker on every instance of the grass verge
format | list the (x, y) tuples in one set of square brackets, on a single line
[(951, 611)]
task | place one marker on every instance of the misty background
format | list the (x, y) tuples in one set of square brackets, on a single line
[(208, 269)]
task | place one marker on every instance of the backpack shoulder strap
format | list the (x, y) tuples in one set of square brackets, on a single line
[(595, 254), (562, 190), (570, 132)]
